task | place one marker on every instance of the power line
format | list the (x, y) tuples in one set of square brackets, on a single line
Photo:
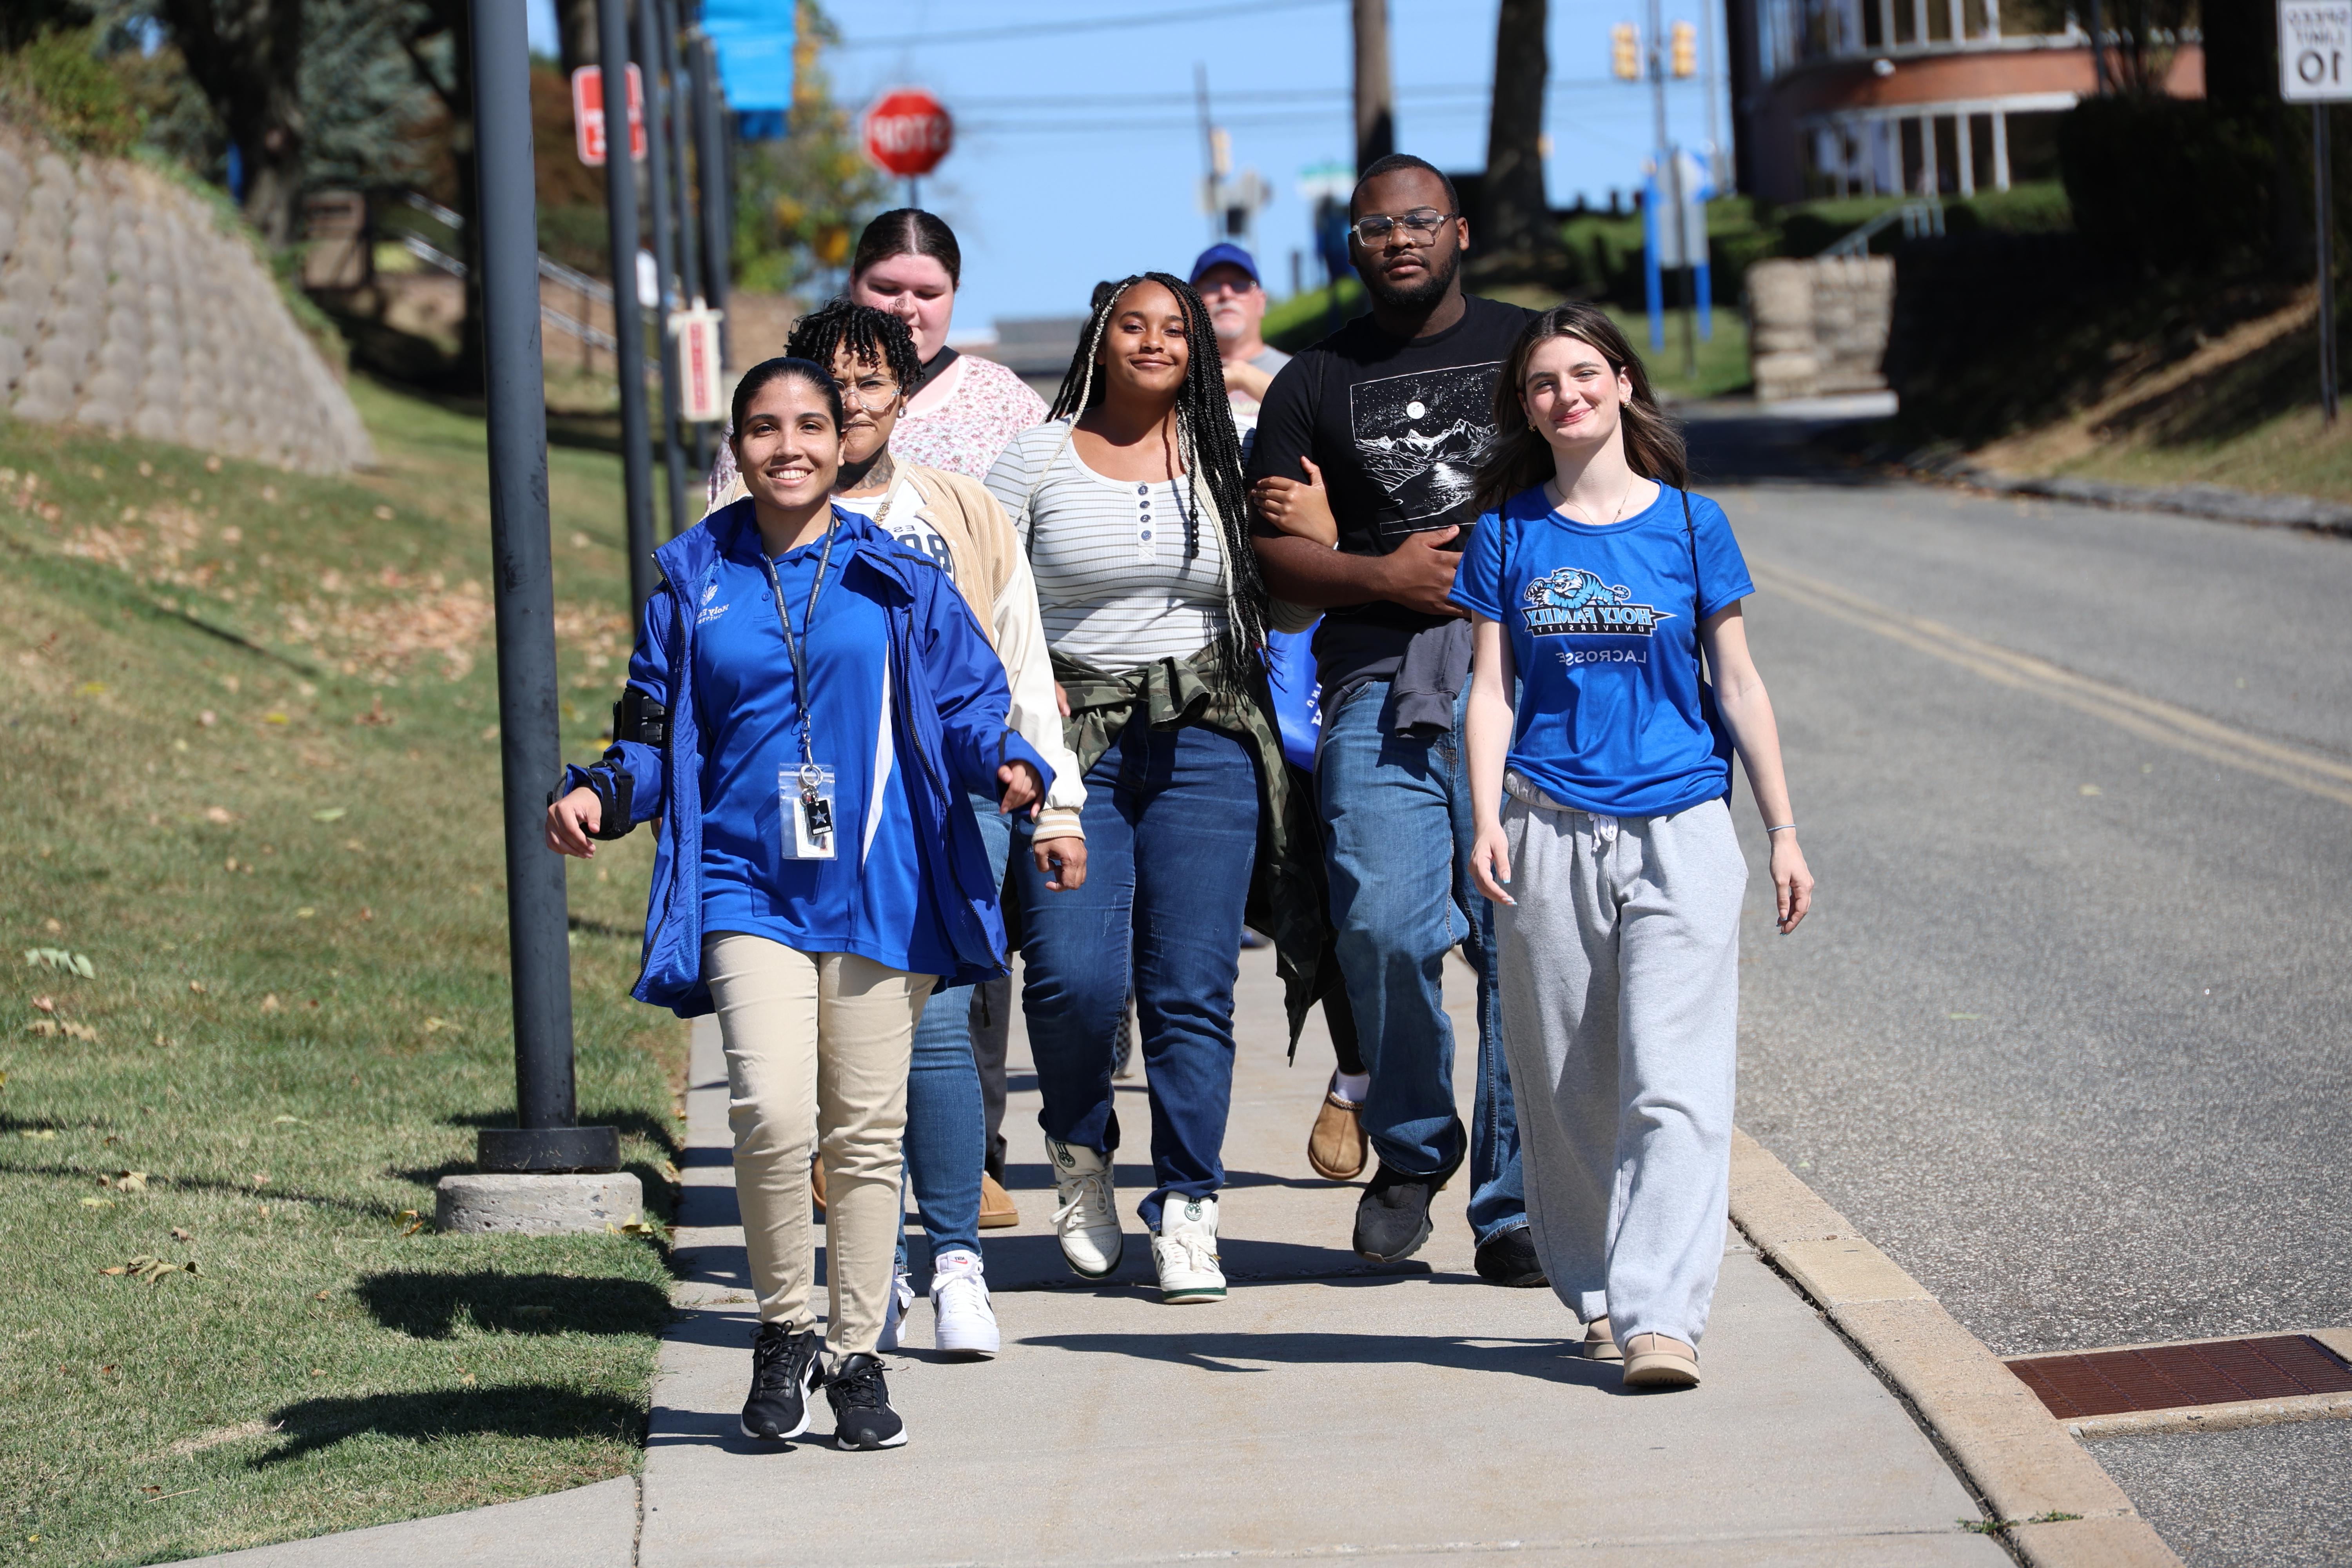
[(1084, 24)]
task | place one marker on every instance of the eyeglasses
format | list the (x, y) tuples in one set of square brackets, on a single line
[(872, 393), (1225, 286), (1420, 228)]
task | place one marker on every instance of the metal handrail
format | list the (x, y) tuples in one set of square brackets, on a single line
[(1917, 218), (593, 336), (555, 271)]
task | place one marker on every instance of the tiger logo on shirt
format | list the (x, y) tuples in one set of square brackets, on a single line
[(1571, 600)]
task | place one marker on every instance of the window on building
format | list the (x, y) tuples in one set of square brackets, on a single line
[(2032, 147), (1873, 24), (1977, 20), (1980, 159), (1915, 156), (1940, 20), (1907, 21), (1947, 154)]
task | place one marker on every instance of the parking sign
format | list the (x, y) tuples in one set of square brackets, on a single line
[(2316, 50)]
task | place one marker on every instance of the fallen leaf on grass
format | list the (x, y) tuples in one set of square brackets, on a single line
[(261, 1178), (305, 913), (434, 1025), (97, 1202), (270, 1004), (328, 813), (217, 814), (208, 717), (60, 959), (131, 1182), (180, 1234), (383, 514), (151, 1270), (41, 1132), (274, 717), (79, 1032), (45, 1028), (322, 1296), (283, 1117), (416, 1222), (45, 1004), (196, 987), (638, 1225), (93, 689)]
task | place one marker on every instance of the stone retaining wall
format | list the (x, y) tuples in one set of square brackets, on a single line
[(1817, 328), (128, 306)]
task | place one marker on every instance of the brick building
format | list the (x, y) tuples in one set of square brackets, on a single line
[(1905, 97)]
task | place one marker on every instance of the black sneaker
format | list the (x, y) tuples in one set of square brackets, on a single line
[(786, 1369), (1508, 1258), (862, 1416), (1392, 1216)]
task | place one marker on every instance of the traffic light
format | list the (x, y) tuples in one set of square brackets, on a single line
[(1684, 40), (1625, 51)]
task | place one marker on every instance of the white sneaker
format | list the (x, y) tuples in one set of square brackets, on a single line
[(1185, 1252), (961, 1320), (894, 1313), (1084, 1215)]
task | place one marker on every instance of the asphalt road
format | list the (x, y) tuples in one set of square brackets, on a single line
[(2070, 1032)]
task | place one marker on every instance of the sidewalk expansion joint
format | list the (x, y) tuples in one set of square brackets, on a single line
[(2045, 1495)]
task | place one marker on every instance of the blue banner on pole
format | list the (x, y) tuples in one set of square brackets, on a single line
[(754, 39)]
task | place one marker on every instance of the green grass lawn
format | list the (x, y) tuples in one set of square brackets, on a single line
[(252, 778)]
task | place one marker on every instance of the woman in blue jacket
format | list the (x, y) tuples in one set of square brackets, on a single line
[(808, 705), (1599, 582)]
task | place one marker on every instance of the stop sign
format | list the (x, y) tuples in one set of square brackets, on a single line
[(907, 132)]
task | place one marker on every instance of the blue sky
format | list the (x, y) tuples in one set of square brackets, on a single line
[(1079, 154)]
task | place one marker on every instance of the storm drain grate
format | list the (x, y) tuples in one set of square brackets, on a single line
[(2107, 1383)]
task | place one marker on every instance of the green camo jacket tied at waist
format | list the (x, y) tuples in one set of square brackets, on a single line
[(1286, 898)]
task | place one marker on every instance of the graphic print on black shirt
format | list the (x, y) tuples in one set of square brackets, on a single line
[(1419, 437)]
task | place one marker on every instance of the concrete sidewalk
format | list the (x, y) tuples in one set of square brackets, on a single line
[(1327, 1407)]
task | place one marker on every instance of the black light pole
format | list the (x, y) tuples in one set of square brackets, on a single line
[(531, 745), (710, 160), (628, 328), (649, 57), (689, 261)]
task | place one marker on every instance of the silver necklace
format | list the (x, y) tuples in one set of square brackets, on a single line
[(1613, 517)]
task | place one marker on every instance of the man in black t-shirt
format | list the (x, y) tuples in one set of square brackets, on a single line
[(1386, 419)]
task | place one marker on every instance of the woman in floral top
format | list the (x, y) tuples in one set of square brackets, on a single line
[(963, 411)]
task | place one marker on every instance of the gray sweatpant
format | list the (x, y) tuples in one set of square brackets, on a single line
[(1619, 973)]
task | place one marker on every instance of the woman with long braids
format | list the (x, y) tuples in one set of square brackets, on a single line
[(954, 522), (1130, 503), (809, 710), (1602, 806)]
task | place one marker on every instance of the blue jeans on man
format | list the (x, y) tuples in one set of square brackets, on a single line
[(1172, 838), (1396, 811)]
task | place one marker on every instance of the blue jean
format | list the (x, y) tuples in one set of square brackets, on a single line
[(1397, 811), (1171, 838), (945, 1128)]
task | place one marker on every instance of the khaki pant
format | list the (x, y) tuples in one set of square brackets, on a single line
[(817, 1046)]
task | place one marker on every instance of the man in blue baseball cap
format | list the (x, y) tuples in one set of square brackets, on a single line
[(1226, 276)]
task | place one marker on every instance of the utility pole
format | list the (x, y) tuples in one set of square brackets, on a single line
[(1375, 89), (531, 743), (628, 326), (649, 13), (1208, 159)]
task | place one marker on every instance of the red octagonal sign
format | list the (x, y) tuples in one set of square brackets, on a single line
[(907, 132)]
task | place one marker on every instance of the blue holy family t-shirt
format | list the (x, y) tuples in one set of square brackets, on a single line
[(869, 897), (1603, 623)]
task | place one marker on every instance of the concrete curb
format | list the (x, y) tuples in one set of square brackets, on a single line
[(2219, 502), (2011, 1451)]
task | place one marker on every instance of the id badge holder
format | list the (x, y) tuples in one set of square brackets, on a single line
[(806, 793)]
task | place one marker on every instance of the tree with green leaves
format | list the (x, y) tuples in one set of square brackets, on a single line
[(801, 202)]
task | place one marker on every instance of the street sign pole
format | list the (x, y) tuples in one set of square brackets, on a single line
[(2315, 56), (531, 744), (657, 200), (689, 256), (710, 163), (628, 326)]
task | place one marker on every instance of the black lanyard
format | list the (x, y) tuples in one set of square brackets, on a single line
[(801, 695)]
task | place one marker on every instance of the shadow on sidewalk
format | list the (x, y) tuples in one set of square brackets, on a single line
[(1548, 1359)]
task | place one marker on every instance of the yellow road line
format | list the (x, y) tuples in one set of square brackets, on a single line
[(2146, 717)]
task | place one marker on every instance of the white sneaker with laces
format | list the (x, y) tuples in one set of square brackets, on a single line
[(961, 1320), (1185, 1252), (894, 1313), (1085, 1216)]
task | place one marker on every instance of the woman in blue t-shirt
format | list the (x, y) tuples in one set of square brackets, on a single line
[(807, 706), (1596, 582)]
